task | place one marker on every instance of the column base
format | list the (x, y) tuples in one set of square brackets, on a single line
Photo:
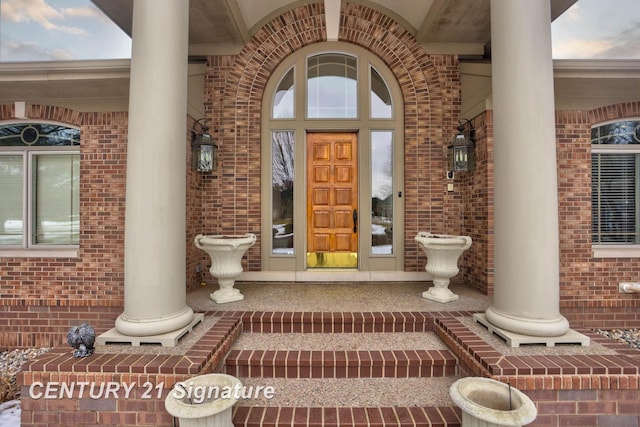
[(527, 326), (515, 340), (143, 327), (170, 339)]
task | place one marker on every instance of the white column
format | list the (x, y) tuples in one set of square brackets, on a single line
[(527, 264), (155, 219)]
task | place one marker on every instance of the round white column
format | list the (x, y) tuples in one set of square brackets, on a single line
[(155, 219), (527, 263)]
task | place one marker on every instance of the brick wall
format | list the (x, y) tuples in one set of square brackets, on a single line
[(43, 296), (568, 390), (430, 87), (196, 207), (476, 191), (209, 192), (113, 388), (588, 286)]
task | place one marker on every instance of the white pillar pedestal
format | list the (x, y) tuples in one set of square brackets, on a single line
[(155, 219), (527, 263)]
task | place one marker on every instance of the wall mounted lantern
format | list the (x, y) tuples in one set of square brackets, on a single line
[(202, 147), (461, 155)]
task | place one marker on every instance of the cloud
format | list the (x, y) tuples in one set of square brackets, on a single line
[(626, 44), (623, 44), (580, 49), (574, 14), (26, 50), (82, 12), (20, 11), (87, 12)]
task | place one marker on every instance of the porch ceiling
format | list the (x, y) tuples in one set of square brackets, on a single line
[(224, 26)]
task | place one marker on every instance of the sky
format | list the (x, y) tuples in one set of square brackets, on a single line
[(53, 30), (57, 30), (598, 29)]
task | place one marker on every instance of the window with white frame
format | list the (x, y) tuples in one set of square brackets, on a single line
[(39, 185), (615, 181)]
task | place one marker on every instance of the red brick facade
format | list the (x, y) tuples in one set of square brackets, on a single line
[(589, 286), (42, 296), (589, 294), (430, 88)]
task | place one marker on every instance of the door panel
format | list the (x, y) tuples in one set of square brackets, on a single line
[(332, 200)]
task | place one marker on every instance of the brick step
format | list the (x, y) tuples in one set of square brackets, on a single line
[(341, 363), (337, 322), (343, 369), (346, 392), (417, 416)]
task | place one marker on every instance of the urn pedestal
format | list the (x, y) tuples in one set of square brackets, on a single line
[(442, 253), (226, 254)]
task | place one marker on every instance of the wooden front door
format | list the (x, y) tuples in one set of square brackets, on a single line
[(332, 200)]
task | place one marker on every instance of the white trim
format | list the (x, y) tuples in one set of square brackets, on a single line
[(64, 70), (333, 275), (20, 109), (615, 251), (332, 19), (596, 68), (39, 253), (363, 124), (617, 120), (614, 149)]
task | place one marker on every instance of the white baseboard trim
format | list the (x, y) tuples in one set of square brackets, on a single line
[(334, 276)]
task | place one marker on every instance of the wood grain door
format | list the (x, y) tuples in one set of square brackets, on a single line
[(332, 200)]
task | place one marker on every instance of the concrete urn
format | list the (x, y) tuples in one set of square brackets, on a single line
[(442, 251), (226, 254), (204, 401), (489, 403)]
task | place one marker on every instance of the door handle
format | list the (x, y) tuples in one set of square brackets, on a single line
[(355, 220)]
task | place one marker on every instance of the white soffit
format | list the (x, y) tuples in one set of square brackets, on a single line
[(413, 11), (254, 11)]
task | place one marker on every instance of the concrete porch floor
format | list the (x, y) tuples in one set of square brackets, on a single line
[(382, 297), (336, 296)]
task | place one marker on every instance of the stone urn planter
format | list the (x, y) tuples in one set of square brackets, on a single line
[(489, 403), (204, 401), (226, 254), (442, 253)]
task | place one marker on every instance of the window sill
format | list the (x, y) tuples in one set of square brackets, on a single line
[(39, 253), (615, 251)]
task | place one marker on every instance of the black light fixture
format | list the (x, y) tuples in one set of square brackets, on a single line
[(202, 147), (462, 151)]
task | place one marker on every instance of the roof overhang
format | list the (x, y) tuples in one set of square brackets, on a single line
[(104, 85), (459, 27), (223, 27)]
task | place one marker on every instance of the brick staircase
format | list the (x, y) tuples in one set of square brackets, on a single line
[(343, 369)]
